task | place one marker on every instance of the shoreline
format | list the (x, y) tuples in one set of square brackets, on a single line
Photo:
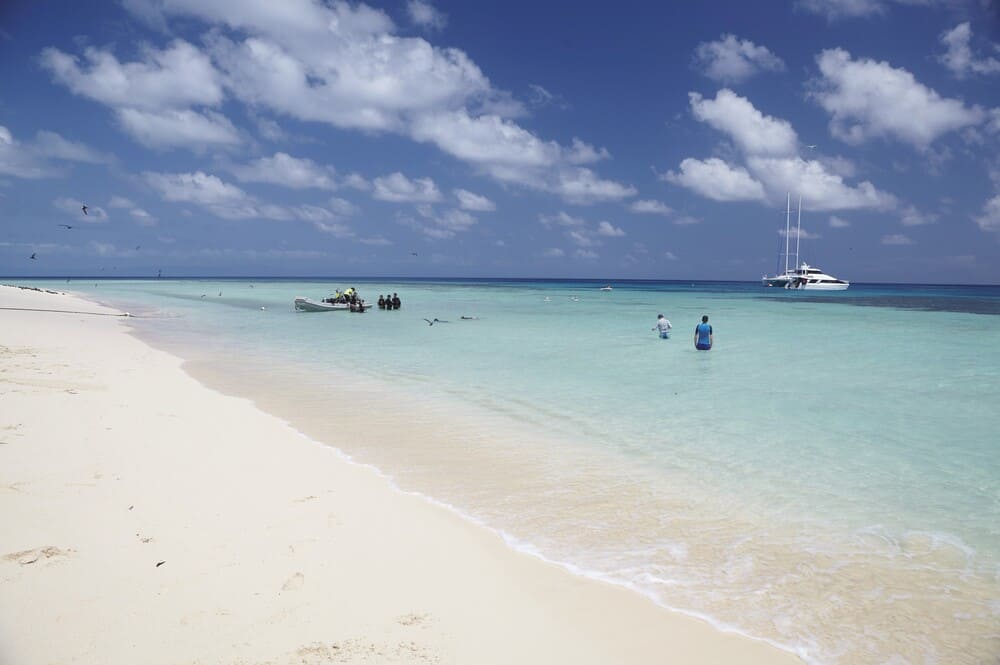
[(277, 547)]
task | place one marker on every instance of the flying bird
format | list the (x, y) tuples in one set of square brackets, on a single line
[(811, 146), (430, 323), (137, 247), (413, 254), (84, 209), (33, 256), (68, 226)]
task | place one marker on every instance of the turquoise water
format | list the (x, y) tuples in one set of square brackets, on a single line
[(827, 478)]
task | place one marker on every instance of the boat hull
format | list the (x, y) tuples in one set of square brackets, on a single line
[(306, 305)]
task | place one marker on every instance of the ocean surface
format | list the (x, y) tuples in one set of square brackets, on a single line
[(827, 478)]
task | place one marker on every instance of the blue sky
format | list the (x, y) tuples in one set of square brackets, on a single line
[(503, 139)]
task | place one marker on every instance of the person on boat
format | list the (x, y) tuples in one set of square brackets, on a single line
[(663, 326), (703, 335), (381, 301), (396, 301)]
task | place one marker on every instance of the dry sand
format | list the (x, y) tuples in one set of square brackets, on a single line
[(147, 519)]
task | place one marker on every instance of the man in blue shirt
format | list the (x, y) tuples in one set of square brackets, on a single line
[(703, 335)]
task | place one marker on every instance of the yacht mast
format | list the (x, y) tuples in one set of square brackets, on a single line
[(798, 234), (788, 219)]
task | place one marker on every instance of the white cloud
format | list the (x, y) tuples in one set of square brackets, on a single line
[(610, 230), (715, 179), (835, 9), (142, 218), (754, 132), (868, 99), (990, 219), (583, 187), (958, 57), (554, 253), (820, 189), (582, 238), (439, 226), (584, 153), (169, 128), (425, 15), (341, 207), (562, 219), (896, 239), (651, 207), (838, 222), (397, 188), (686, 220), (176, 77), (73, 207), (586, 254), (910, 216), (283, 169), (470, 201), (801, 233), (34, 160), (344, 64), (199, 187), (731, 60), (54, 146)]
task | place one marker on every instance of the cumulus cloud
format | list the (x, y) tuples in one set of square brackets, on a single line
[(715, 179), (38, 158), (820, 189), (287, 171), (176, 77), (896, 239), (425, 15), (586, 254), (554, 253), (959, 58), (345, 65), (732, 60), (838, 222), (397, 188), (439, 226), (989, 220), (910, 216), (562, 219), (152, 97), (227, 201), (470, 201), (836, 9), (651, 207), (140, 216), (868, 99), (771, 168), (610, 230), (754, 132), (170, 128)]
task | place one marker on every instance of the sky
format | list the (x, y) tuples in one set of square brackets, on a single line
[(548, 139)]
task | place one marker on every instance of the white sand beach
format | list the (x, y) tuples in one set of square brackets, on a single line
[(149, 519)]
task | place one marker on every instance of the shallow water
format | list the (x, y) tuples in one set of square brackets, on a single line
[(827, 478)]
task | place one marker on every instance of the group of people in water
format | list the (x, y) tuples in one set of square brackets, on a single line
[(702, 332), (389, 303)]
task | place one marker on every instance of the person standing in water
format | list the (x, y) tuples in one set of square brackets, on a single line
[(663, 326), (703, 335)]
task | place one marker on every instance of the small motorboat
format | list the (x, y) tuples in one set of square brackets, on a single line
[(606, 288), (307, 305)]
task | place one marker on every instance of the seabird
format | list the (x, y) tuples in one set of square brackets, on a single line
[(66, 225), (84, 208), (436, 320), (137, 247), (811, 146), (413, 253), (33, 256)]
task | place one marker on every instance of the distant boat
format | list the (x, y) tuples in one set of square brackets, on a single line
[(606, 288), (805, 276)]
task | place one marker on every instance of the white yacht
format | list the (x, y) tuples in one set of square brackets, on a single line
[(812, 278), (805, 276)]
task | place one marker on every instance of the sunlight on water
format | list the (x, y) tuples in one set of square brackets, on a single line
[(826, 478)]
